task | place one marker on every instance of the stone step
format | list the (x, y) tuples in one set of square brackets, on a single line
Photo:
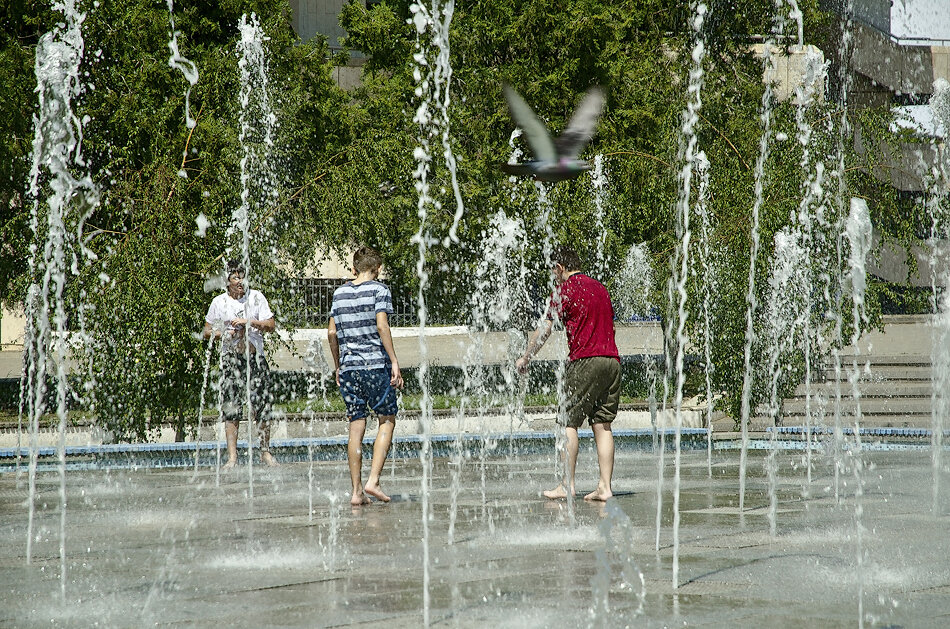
[(885, 359), (915, 433), (867, 421), (872, 389), (869, 406), (883, 373)]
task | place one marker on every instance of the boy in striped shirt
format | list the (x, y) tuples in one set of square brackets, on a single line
[(367, 371)]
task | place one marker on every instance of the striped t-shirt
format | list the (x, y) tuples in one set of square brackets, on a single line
[(354, 311)]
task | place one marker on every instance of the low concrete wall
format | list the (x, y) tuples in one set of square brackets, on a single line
[(492, 421), (307, 349), (455, 346)]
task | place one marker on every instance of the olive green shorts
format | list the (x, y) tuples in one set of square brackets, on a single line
[(593, 390)]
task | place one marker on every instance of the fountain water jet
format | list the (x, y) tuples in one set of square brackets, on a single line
[(686, 156), (186, 66), (844, 139), (785, 317), (815, 74), (940, 355), (499, 292), (704, 255), (618, 533), (858, 232), (598, 183), (57, 146), (258, 182), (765, 117), (633, 285), (433, 75)]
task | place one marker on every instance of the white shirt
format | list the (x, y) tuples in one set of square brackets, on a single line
[(252, 306)]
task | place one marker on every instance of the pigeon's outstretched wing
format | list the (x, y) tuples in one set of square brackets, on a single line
[(537, 135), (582, 125), (519, 170)]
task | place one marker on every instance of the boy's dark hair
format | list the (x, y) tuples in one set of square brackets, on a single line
[(235, 266), (366, 259), (566, 257)]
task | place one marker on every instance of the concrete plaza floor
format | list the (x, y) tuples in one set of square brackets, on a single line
[(170, 547)]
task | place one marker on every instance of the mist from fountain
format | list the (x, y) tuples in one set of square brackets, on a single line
[(506, 236)]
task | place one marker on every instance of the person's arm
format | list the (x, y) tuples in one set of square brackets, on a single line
[(386, 336), (535, 343), (334, 348), (267, 325), (216, 327)]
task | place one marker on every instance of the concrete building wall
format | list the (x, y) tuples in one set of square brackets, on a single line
[(12, 326), (322, 17), (788, 70), (877, 13), (940, 61), (311, 17), (900, 69), (889, 68), (920, 21)]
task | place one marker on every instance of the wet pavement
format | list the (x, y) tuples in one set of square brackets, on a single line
[(169, 547)]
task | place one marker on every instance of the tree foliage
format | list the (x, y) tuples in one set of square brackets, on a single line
[(345, 160)]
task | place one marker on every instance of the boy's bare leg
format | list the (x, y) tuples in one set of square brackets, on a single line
[(266, 457), (604, 438), (384, 439), (230, 436), (570, 463), (354, 457)]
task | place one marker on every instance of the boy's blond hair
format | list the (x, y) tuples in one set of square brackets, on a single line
[(366, 259)]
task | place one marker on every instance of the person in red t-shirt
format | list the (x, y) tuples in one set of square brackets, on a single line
[(592, 378)]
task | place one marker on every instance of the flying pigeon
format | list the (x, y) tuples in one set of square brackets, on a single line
[(555, 159)]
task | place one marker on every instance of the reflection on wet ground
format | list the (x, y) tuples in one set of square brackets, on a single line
[(167, 547)]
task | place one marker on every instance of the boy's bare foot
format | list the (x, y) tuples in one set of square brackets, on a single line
[(376, 492), (599, 494), (268, 460), (359, 499), (229, 465), (558, 493)]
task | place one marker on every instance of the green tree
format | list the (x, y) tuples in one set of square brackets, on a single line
[(144, 290), (345, 163)]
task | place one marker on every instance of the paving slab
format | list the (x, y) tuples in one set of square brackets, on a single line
[(175, 547)]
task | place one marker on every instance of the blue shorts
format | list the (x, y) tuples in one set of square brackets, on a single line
[(367, 389)]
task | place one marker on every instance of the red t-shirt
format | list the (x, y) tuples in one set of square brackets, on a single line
[(583, 305)]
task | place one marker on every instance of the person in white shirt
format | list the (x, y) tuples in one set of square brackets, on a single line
[(239, 317)]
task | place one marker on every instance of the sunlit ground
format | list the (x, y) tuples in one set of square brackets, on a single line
[(168, 548)]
